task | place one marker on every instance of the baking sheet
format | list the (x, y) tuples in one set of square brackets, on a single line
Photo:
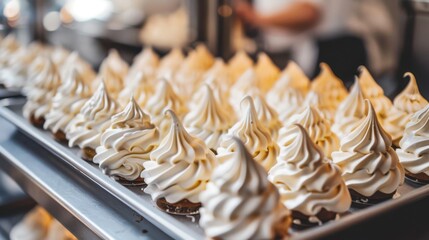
[(181, 226)]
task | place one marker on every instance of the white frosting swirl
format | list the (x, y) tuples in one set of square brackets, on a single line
[(266, 71), (164, 98), (140, 87), (317, 127), (238, 64), (290, 105), (208, 120), (170, 64), (94, 118), (74, 63), (240, 203), (43, 89), (306, 180), (127, 143), (267, 115), (247, 84), (146, 61), (405, 105), (67, 102), (254, 135), (414, 151), (181, 166), (350, 112), (367, 160)]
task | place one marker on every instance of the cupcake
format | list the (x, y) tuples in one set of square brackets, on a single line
[(267, 115), (146, 61), (405, 105), (240, 203), (370, 166), (317, 127), (266, 71), (140, 87), (164, 98), (375, 94), (309, 184), (179, 170), (350, 112), (43, 89), (414, 152), (127, 144), (291, 77), (170, 64), (94, 118), (208, 120), (238, 64), (66, 104), (254, 135)]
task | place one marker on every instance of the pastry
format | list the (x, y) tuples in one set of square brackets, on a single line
[(208, 120), (309, 184), (266, 71), (75, 62), (267, 115), (247, 84), (43, 89), (66, 104), (414, 147), (254, 135), (240, 203), (350, 112), (291, 77), (34, 225), (179, 170), (238, 64), (146, 61), (170, 64), (289, 105), (317, 127), (370, 166), (140, 87), (405, 105), (164, 98), (375, 94), (127, 144), (94, 118)]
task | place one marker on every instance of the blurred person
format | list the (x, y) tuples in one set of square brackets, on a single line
[(342, 33)]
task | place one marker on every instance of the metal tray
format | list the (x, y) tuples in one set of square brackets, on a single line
[(182, 227)]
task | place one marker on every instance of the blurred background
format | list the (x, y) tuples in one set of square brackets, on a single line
[(388, 36)]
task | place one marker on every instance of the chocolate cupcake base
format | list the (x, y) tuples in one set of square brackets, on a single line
[(87, 154), (183, 207), (137, 182), (38, 122), (302, 221), (419, 178), (60, 136), (359, 200)]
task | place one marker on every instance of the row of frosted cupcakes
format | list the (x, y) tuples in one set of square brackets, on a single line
[(177, 166)]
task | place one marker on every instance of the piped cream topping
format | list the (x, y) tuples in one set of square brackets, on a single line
[(414, 146), (180, 167), (307, 181), (86, 128), (267, 115), (240, 203), (254, 135), (146, 61), (238, 64), (127, 143), (170, 64), (266, 71), (140, 87), (247, 84), (368, 162), (350, 112)]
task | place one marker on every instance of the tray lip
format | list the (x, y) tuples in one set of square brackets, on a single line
[(166, 223), (181, 231)]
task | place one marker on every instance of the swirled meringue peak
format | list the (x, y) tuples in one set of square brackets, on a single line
[(291, 77), (208, 120), (375, 94), (240, 203), (291, 102), (94, 118), (146, 61), (73, 62), (247, 84), (414, 151), (317, 127), (238, 64), (254, 135), (164, 98), (405, 105), (127, 143), (140, 87), (307, 181), (323, 105), (267, 115), (43, 87), (170, 64), (368, 162), (67, 102), (181, 166), (266, 71), (350, 112)]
